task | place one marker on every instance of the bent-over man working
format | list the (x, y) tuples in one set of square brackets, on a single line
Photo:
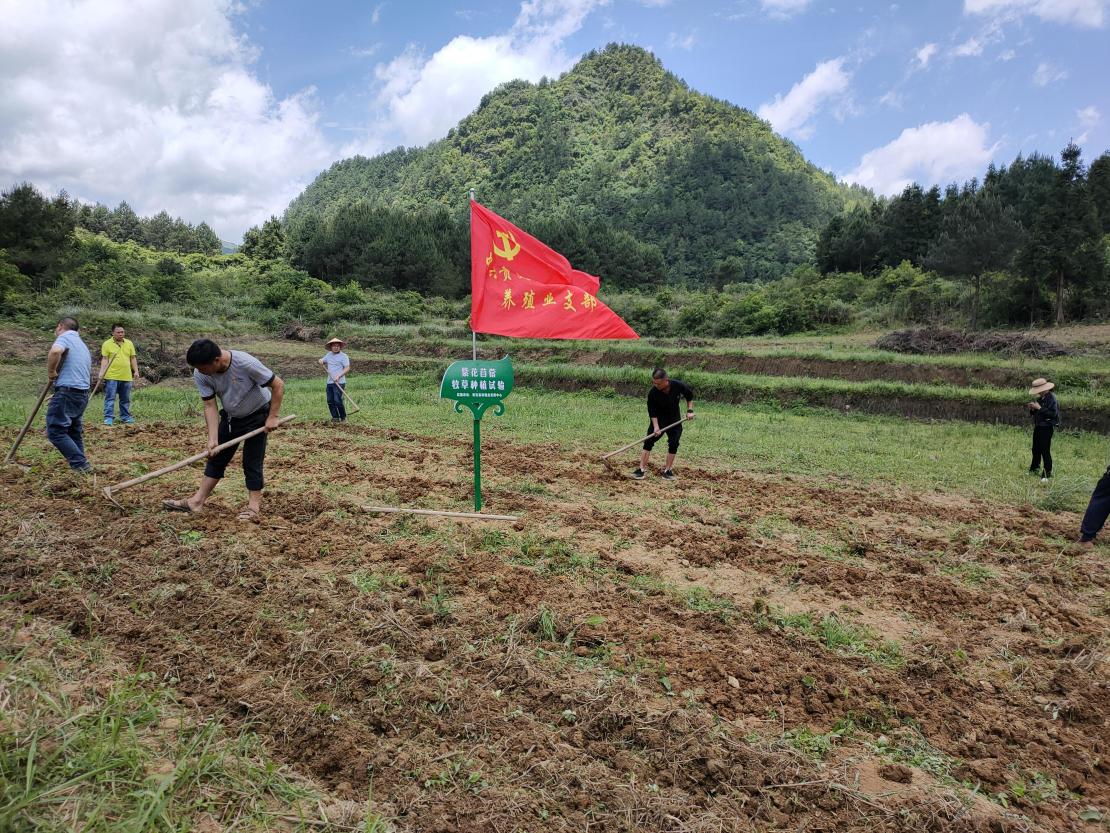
[(662, 404), (250, 394)]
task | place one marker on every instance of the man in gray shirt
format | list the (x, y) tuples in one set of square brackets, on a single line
[(250, 394)]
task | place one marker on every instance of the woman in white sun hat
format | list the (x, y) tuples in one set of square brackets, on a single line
[(337, 365), (1046, 419)]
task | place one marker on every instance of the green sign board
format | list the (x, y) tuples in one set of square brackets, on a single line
[(478, 385)]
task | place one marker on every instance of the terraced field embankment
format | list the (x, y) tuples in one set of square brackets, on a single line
[(912, 401), (975, 388), (1078, 374)]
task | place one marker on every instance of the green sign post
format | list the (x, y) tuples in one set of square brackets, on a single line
[(478, 385)]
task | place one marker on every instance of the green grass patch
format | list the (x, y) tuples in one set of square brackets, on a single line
[(819, 745), (120, 758), (988, 461), (374, 582), (832, 631)]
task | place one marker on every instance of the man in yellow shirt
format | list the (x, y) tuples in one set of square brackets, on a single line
[(118, 368)]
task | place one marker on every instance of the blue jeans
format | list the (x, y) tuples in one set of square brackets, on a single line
[(1097, 510), (111, 388), (335, 402), (63, 424)]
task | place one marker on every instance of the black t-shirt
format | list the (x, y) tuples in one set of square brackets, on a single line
[(664, 406)]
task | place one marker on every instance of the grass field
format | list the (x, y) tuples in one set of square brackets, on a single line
[(832, 620), (957, 457)]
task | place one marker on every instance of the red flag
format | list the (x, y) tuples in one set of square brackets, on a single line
[(520, 287)]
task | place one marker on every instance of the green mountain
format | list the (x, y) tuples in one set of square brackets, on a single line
[(619, 162)]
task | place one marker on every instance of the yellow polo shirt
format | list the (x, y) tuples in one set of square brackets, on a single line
[(120, 369)]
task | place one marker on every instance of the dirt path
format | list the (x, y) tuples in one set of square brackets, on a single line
[(631, 656)]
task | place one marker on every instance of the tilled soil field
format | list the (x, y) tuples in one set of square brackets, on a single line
[(727, 652)]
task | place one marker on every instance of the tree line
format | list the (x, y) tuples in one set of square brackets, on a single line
[(37, 241), (1028, 242), (161, 232)]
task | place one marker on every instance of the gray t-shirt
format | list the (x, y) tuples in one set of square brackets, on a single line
[(336, 363), (241, 388)]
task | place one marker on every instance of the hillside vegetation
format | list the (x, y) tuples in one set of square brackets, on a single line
[(615, 154)]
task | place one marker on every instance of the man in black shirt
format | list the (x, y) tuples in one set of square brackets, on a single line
[(662, 403)]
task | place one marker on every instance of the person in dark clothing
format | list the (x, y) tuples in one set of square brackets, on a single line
[(1097, 511), (1046, 418), (662, 404)]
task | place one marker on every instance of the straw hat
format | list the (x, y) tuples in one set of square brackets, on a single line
[(341, 342), (1040, 386)]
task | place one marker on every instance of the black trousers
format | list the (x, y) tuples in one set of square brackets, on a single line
[(1042, 449), (254, 449), (673, 433), (1097, 510)]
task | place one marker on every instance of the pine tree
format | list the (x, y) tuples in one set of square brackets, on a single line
[(1098, 180), (980, 236), (1063, 248)]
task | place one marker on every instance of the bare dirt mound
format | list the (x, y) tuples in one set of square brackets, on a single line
[(939, 340), (726, 652)]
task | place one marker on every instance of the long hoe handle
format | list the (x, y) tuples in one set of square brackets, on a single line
[(34, 413), (188, 461), (96, 387), (645, 439), (344, 392), (27, 425)]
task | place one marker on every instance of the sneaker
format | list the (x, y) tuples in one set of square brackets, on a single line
[(638, 474), (108, 421), (85, 470), (128, 420), (335, 419), (668, 474), (1044, 479)]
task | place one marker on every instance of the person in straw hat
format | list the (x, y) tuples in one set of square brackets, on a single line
[(337, 364), (1046, 418)]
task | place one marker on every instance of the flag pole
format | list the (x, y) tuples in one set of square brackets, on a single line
[(474, 355), (473, 334)]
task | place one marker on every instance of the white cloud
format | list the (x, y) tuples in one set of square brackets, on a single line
[(1046, 74), (655, 4), (969, 48), (932, 153), (1088, 118), (366, 51), (784, 8), (676, 41), (892, 98), (792, 112), (1091, 13), (421, 97), (925, 54), (1007, 55), (376, 15), (161, 109)]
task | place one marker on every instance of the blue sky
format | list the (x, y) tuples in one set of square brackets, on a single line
[(223, 111)]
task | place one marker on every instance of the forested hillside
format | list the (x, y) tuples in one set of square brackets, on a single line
[(1030, 243), (618, 163)]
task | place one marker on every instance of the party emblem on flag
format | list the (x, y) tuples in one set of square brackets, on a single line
[(521, 287)]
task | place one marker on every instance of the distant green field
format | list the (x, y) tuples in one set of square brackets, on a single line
[(983, 460)]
